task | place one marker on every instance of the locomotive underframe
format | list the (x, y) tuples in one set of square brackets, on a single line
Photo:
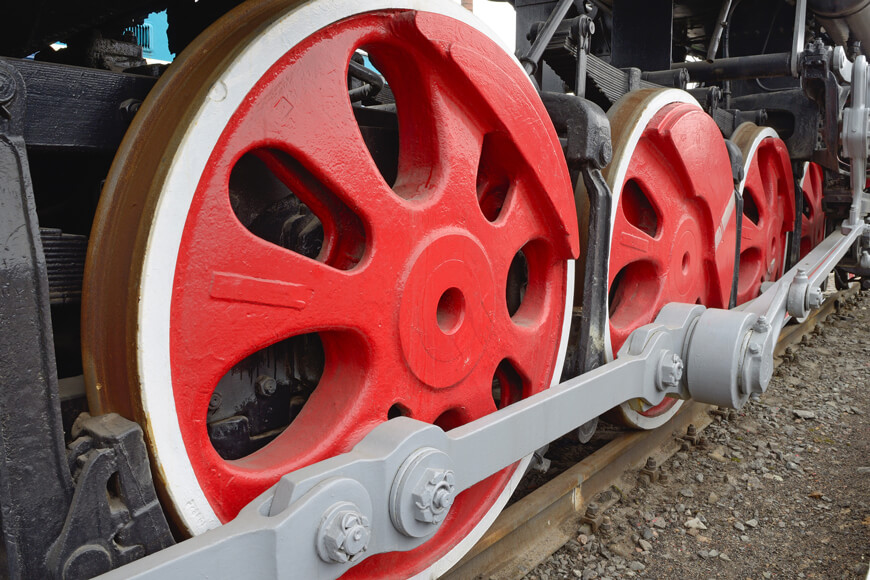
[(49, 497)]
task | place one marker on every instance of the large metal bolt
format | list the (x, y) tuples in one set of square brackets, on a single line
[(434, 496), (343, 535), (761, 325), (691, 430), (670, 371), (592, 510), (605, 154), (651, 463), (266, 385)]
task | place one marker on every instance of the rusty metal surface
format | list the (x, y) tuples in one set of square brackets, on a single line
[(119, 235)]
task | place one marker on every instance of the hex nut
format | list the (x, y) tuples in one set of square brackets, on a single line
[(266, 385), (670, 371), (814, 299), (761, 325), (343, 535), (434, 496)]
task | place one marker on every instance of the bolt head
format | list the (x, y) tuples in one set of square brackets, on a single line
[(344, 535), (266, 385), (670, 370), (215, 402), (434, 496), (761, 325)]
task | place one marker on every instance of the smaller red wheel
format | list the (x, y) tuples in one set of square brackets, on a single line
[(768, 208), (813, 218), (672, 225)]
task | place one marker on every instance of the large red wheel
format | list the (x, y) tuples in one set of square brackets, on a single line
[(813, 215), (438, 292), (768, 208), (672, 227)]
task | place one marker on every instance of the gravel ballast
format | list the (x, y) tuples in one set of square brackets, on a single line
[(779, 490)]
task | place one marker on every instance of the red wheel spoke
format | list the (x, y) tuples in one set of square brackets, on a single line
[(306, 113), (306, 441), (752, 235), (519, 223), (479, 402), (342, 233), (456, 143), (520, 340), (241, 294)]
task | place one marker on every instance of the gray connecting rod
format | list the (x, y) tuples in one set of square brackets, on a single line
[(393, 490)]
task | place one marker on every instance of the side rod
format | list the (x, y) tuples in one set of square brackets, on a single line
[(386, 493)]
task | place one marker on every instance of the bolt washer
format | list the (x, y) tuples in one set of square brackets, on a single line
[(422, 493)]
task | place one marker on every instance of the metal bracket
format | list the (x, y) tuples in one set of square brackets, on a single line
[(856, 138), (588, 150), (115, 517), (35, 483)]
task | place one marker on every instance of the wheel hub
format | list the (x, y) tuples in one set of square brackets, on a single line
[(447, 310)]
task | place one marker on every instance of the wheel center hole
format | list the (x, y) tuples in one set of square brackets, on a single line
[(451, 310), (686, 263)]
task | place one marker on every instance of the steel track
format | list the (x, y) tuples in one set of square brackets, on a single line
[(532, 529)]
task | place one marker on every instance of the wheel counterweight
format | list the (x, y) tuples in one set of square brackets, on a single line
[(439, 294)]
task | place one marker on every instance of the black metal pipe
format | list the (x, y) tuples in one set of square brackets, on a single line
[(721, 23), (757, 66), (676, 78), (536, 50), (373, 82)]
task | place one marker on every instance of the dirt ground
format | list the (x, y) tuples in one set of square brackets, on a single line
[(779, 490)]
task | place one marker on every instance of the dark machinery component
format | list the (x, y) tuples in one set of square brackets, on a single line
[(87, 483), (55, 524), (35, 483), (114, 516), (844, 20)]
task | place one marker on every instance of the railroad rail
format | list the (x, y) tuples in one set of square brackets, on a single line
[(533, 528)]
